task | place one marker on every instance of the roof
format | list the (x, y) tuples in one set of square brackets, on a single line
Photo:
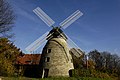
[(28, 59)]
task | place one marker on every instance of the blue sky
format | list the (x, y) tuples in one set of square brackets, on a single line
[(98, 28)]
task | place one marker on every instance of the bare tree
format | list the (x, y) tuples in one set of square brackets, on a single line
[(6, 19)]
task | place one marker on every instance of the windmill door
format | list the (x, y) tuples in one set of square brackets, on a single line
[(46, 73)]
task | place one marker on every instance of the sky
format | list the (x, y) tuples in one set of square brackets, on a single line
[(98, 28)]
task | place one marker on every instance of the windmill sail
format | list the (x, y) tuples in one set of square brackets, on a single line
[(43, 16), (72, 18), (74, 48), (36, 44)]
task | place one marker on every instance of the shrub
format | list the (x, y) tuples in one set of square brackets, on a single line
[(81, 73), (89, 73)]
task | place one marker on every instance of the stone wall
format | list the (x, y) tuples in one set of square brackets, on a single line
[(56, 58)]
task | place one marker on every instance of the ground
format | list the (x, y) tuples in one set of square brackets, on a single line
[(60, 78)]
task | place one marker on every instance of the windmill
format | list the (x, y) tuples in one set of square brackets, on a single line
[(55, 59)]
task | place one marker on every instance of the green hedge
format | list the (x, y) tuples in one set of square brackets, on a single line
[(89, 73)]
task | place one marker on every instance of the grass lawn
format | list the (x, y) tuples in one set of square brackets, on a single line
[(59, 78)]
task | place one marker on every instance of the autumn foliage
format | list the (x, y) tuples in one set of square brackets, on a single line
[(8, 55)]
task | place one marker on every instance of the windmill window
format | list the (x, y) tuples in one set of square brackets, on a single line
[(47, 59), (71, 60), (49, 51)]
